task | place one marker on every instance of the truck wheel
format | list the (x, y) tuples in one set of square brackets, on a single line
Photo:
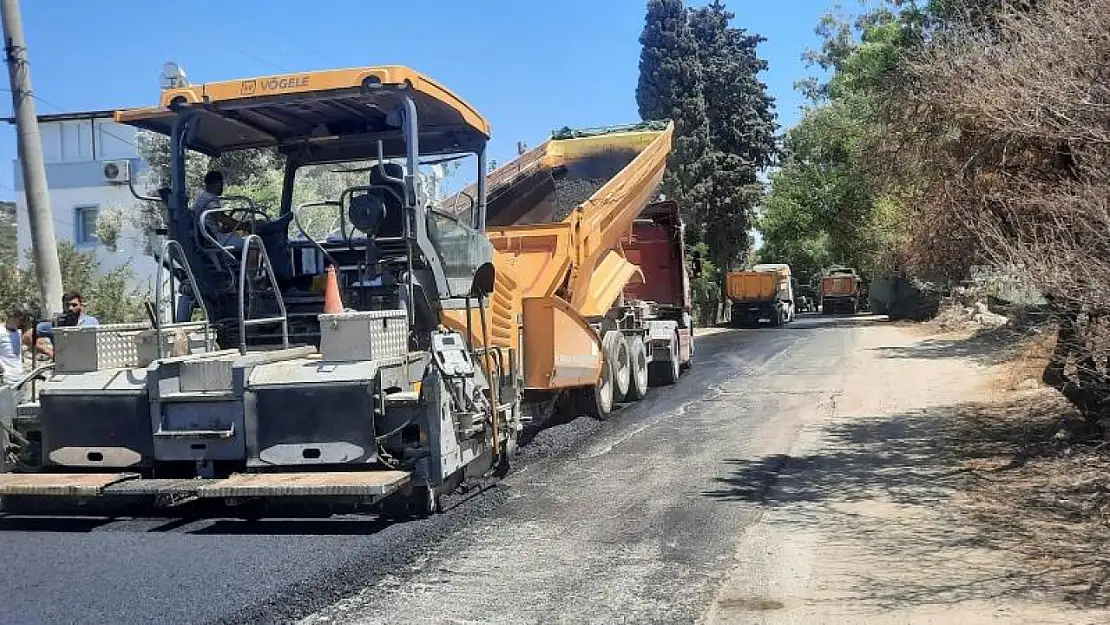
[(736, 318), (615, 348), (596, 401), (665, 373), (638, 380)]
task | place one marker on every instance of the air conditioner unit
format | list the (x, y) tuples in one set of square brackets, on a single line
[(117, 172)]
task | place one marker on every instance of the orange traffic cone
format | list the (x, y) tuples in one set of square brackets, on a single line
[(333, 303)]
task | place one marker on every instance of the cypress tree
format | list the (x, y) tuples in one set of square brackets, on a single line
[(741, 126), (670, 87)]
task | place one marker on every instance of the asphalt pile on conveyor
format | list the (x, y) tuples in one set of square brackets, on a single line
[(572, 192)]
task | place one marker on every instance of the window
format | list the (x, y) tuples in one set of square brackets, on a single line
[(84, 223), (461, 248)]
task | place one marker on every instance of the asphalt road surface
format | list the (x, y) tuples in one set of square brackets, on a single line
[(623, 521)]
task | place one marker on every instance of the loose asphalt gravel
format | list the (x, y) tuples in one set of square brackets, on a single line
[(225, 570), (570, 193)]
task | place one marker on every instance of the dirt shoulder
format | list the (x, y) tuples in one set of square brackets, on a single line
[(946, 485)]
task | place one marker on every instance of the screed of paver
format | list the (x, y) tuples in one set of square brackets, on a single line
[(855, 529)]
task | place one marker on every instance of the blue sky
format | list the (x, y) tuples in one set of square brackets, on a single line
[(528, 65)]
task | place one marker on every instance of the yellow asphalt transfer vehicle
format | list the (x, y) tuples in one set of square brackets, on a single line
[(605, 294), (266, 396)]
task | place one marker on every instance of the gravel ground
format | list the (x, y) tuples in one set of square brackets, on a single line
[(899, 502)]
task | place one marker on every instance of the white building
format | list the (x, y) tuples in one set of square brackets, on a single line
[(76, 149)]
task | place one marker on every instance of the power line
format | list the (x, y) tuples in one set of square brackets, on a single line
[(102, 129), (249, 55), (62, 110)]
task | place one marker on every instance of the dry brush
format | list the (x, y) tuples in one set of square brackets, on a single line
[(1003, 131)]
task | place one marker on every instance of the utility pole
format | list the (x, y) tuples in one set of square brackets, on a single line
[(43, 244)]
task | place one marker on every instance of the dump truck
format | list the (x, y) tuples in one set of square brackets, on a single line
[(763, 294), (382, 362), (840, 291), (602, 266)]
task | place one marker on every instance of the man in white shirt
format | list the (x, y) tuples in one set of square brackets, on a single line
[(221, 226), (11, 344)]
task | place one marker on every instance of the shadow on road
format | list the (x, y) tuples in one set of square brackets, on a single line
[(966, 502), (985, 347), (12, 523), (812, 321)]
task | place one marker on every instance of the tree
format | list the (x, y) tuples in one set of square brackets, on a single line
[(705, 285), (741, 129), (670, 87), (831, 201), (9, 246), (109, 296), (239, 168)]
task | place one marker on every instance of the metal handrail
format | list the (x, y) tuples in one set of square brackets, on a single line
[(29, 378), (250, 208), (297, 221), (168, 248), (201, 226), (263, 261), (35, 373)]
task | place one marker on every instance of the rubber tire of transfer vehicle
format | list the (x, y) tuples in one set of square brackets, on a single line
[(665, 373), (638, 380), (615, 348), (596, 401)]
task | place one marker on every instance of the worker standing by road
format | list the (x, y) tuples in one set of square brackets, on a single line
[(11, 358)]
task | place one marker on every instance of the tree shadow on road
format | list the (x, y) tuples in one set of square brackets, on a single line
[(823, 322), (989, 346), (966, 502)]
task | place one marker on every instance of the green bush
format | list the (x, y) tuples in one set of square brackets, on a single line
[(108, 295)]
